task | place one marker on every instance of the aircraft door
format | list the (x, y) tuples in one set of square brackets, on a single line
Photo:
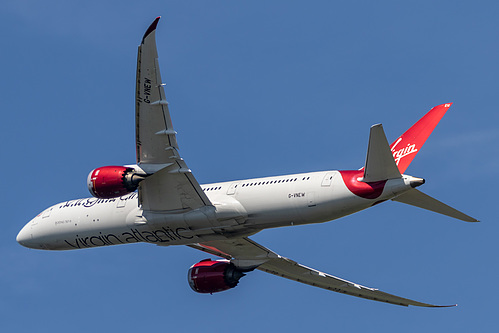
[(328, 179), (121, 203), (232, 189)]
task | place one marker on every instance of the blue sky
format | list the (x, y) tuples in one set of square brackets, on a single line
[(255, 89)]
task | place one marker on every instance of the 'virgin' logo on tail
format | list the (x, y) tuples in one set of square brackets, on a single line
[(401, 153)]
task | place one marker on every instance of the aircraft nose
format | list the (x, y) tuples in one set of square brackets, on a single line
[(25, 237)]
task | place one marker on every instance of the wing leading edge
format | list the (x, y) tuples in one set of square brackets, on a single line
[(245, 253)]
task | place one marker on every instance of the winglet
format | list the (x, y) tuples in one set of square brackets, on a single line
[(442, 306), (151, 28), (405, 148)]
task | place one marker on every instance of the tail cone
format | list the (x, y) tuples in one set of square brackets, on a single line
[(415, 182)]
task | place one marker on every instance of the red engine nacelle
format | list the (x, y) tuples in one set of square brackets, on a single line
[(208, 276), (113, 181)]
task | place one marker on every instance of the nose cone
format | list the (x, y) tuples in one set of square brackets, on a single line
[(25, 237)]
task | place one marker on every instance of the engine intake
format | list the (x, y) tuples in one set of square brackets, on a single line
[(209, 276), (113, 181)]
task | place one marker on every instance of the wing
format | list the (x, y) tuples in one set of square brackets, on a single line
[(245, 253), (172, 185)]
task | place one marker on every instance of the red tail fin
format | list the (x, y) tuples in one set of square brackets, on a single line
[(406, 147)]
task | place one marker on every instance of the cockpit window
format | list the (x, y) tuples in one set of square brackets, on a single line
[(46, 213)]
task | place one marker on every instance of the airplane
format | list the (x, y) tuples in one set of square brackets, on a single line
[(159, 201)]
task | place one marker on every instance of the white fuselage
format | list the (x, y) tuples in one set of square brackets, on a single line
[(240, 208)]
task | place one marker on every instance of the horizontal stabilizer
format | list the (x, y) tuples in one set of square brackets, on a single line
[(380, 164), (421, 200)]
